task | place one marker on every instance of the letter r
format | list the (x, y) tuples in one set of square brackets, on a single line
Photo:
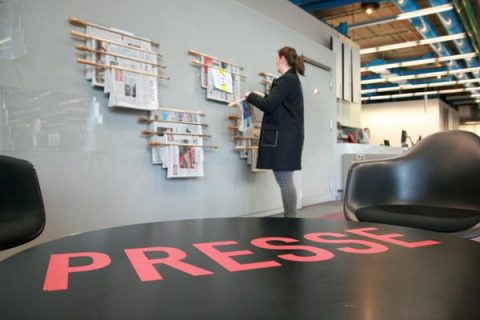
[(146, 270)]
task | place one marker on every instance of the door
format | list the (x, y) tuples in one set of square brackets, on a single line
[(319, 147)]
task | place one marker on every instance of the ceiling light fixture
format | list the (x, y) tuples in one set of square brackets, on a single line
[(420, 86), (369, 6), (5, 40), (382, 67), (418, 94), (403, 16), (410, 44), (424, 12), (419, 75)]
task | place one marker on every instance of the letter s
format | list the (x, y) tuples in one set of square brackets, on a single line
[(318, 254), (371, 246)]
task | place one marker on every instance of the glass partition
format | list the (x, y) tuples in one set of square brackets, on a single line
[(12, 42), (35, 120)]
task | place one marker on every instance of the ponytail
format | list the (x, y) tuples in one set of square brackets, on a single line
[(293, 60), (300, 65)]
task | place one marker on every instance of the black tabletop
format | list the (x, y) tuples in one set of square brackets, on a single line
[(245, 268)]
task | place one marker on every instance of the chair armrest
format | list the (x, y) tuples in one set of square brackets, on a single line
[(369, 183)]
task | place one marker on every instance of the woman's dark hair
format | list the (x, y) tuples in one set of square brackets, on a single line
[(293, 60)]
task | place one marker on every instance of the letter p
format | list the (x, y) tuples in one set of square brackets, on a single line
[(59, 268)]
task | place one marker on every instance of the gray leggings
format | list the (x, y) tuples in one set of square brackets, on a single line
[(289, 193)]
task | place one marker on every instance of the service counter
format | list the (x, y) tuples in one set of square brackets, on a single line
[(347, 153)]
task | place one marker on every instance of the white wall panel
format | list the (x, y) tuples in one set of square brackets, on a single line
[(387, 120), (338, 51), (347, 72), (356, 77)]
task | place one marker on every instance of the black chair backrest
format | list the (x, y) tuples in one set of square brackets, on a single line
[(22, 214), (442, 170)]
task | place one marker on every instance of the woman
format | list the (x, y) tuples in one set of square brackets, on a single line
[(281, 136)]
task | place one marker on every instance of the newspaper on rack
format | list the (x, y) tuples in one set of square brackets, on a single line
[(247, 134), (213, 77), (251, 154), (95, 73), (180, 161), (253, 157), (125, 89), (246, 116), (129, 89), (267, 81), (222, 80)]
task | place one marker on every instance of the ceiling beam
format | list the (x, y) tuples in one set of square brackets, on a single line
[(464, 102), (420, 86), (382, 67), (420, 94), (410, 44), (419, 76), (312, 6), (459, 97), (402, 16)]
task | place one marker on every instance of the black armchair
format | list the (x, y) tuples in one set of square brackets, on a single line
[(22, 214), (433, 186)]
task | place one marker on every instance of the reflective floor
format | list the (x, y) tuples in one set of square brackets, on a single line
[(332, 209), (321, 209)]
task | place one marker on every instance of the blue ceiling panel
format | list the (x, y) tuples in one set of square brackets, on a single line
[(312, 6)]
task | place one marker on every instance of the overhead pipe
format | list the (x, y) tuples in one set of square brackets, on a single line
[(466, 14), (312, 6), (465, 102), (378, 66), (424, 81), (409, 44), (420, 75), (420, 86), (397, 72), (371, 89), (452, 98), (402, 16), (421, 94), (343, 28), (453, 26), (426, 29), (383, 67)]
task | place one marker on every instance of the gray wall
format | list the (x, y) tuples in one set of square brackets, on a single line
[(110, 181), (295, 18)]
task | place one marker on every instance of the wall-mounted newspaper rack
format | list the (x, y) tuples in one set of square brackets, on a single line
[(177, 140), (125, 65), (220, 78)]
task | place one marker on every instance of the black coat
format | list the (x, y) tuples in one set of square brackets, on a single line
[(282, 132)]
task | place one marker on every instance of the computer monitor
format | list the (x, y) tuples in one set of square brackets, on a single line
[(386, 143), (403, 139)]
